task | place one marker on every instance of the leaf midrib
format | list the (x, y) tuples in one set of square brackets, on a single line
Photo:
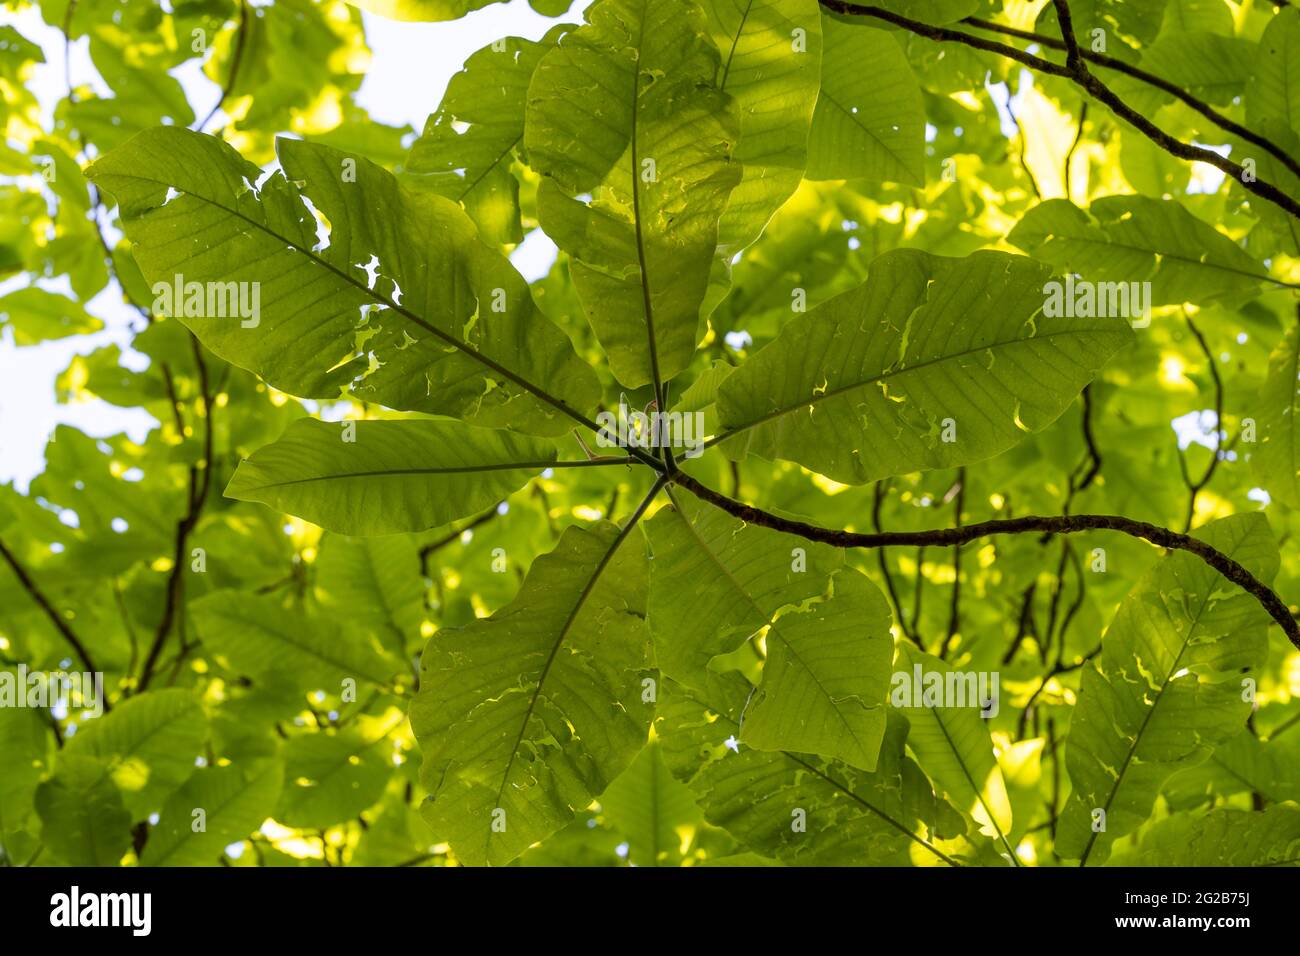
[(768, 620), (1137, 737), (886, 375), (831, 781), (382, 299)]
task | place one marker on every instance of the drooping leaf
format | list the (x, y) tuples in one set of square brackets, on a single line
[(1277, 457), (1274, 90), (771, 66), (83, 819), (797, 808), (952, 746), (425, 10), (36, 315), (23, 742), (869, 122), (1166, 687), (1220, 838), (654, 810), (148, 743), (1214, 68), (653, 148), (526, 716), (234, 802), (715, 582), (1138, 239), (469, 144), (330, 778), (375, 581), (826, 674), (257, 636), (438, 327), (383, 477), (931, 363)]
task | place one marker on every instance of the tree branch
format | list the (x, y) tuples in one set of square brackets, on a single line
[(200, 481), (1050, 524), (1142, 76), (43, 603), (1079, 74), (236, 58)]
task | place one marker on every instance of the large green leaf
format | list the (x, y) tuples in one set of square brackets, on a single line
[(444, 325), (83, 819), (1211, 67), (384, 477), (149, 744), (234, 801), (625, 110), (469, 144), (1220, 838), (23, 741), (37, 315), (1138, 239), (952, 745), (931, 363), (330, 778), (376, 581), (422, 9), (715, 582), (798, 808), (1277, 457), (1167, 686), (771, 66), (259, 637), (870, 121), (653, 809), (1274, 90), (526, 716), (826, 676)]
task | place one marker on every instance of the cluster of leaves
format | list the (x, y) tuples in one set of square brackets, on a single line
[(372, 593)]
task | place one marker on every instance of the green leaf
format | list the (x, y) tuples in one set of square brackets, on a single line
[(257, 636), (526, 716), (37, 315), (330, 778), (870, 120), (148, 743), (826, 676), (626, 110), (376, 581), (83, 819), (235, 802), (932, 11), (445, 326), (1167, 686), (23, 741), (1274, 90), (652, 809), (1211, 67), (469, 144), (1220, 838), (952, 745), (715, 582), (1277, 459), (771, 67), (383, 477), (1137, 239), (425, 10), (797, 808), (932, 363)]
